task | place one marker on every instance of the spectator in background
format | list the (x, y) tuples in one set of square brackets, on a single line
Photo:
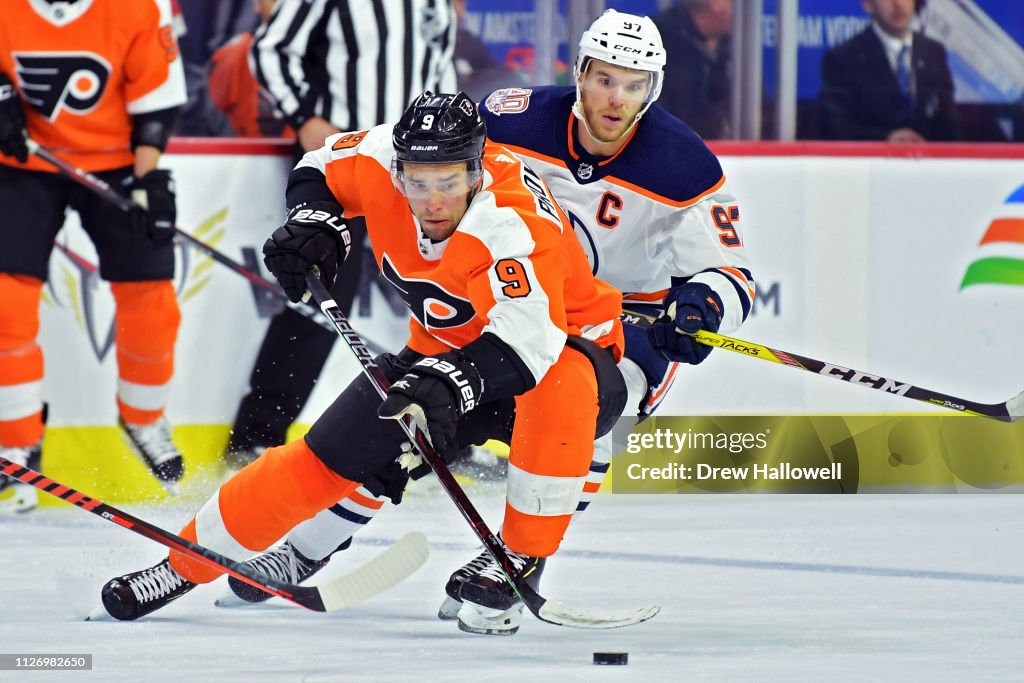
[(698, 75), (477, 70), (887, 82), (332, 65), (235, 92)]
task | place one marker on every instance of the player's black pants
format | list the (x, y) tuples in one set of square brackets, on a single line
[(290, 360), (357, 444)]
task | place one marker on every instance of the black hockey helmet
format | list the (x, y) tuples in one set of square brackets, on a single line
[(439, 129)]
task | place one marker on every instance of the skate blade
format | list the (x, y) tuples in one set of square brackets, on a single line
[(449, 609), (489, 622), (99, 613), (231, 601), (171, 487), (21, 500)]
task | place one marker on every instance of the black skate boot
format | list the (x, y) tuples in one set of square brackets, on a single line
[(23, 498), (137, 594), (282, 563), (449, 609), (490, 605), (153, 445)]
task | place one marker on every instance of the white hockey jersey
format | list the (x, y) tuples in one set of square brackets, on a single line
[(655, 214)]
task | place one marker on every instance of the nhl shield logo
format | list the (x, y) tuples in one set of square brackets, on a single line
[(584, 171)]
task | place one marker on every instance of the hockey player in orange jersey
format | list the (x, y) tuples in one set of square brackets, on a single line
[(511, 337), (672, 242), (98, 82)]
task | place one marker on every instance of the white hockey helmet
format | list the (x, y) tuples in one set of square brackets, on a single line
[(625, 40)]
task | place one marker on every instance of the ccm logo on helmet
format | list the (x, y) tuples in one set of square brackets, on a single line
[(627, 48)]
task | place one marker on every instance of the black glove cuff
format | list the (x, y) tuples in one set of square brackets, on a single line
[(458, 372), (504, 373)]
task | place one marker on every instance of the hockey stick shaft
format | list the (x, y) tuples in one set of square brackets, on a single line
[(305, 596), (541, 608), (103, 189), (381, 385), (1008, 411)]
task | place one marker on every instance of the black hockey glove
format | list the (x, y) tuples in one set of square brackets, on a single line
[(436, 392), (12, 121), (315, 234), (154, 193), (689, 307)]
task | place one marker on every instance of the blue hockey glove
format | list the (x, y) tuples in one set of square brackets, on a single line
[(689, 307)]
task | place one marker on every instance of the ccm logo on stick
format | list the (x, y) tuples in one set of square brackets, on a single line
[(857, 377)]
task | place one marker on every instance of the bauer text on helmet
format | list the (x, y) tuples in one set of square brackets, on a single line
[(439, 145)]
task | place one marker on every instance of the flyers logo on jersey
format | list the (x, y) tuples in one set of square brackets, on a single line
[(431, 304), (54, 81)]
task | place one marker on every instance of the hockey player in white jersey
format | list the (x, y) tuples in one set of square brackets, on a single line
[(647, 200)]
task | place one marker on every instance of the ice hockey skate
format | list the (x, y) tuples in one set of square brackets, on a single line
[(153, 445), (490, 605), (449, 609), (18, 497), (281, 563), (134, 595)]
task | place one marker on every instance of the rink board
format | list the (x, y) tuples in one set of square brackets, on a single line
[(902, 265)]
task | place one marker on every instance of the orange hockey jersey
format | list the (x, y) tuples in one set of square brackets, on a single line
[(84, 69), (235, 91), (513, 267)]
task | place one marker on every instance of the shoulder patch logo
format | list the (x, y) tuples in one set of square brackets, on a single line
[(508, 101), (505, 159), (54, 81)]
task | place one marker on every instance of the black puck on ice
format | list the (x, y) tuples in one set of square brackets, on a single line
[(611, 658)]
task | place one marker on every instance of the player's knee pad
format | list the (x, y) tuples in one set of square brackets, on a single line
[(554, 427), (19, 312)]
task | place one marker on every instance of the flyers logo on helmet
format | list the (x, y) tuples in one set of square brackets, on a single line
[(54, 81)]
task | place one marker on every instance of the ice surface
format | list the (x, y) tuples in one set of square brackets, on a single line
[(754, 588)]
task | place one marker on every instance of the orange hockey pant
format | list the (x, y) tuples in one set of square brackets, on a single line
[(146, 322)]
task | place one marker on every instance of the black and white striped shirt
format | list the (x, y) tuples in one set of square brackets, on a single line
[(355, 63)]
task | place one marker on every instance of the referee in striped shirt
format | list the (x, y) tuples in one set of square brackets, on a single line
[(333, 65), (352, 64)]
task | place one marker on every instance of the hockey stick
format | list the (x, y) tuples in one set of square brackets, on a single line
[(1008, 411), (543, 609), (393, 565), (104, 190)]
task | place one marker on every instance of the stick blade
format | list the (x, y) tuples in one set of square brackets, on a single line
[(554, 613), (391, 567)]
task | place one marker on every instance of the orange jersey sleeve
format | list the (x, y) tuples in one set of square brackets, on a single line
[(83, 70)]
